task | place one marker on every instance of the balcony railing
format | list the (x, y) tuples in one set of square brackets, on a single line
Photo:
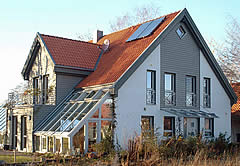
[(206, 100), (151, 96), (31, 99), (191, 99), (170, 98)]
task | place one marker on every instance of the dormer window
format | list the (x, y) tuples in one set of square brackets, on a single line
[(181, 32)]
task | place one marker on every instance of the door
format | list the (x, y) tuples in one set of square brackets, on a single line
[(191, 127)]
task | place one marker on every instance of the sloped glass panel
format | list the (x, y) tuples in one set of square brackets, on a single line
[(140, 29), (148, 31)]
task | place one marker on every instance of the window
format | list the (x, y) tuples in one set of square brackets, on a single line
[(151, 87), (14, 131), (190, 91), (37, 145), (206, 93), (170, 96), (45, 90), (44, 143), (181, 32), (209, 127), (23, 132), (169, 126), (35, 90), (238, 137), (147, 125)]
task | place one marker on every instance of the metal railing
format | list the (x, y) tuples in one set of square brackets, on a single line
[(31, 99), (151, 96), (191, 99), (206, 100), (170, 98)]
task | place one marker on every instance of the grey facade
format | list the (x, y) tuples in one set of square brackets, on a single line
[(179, 56)]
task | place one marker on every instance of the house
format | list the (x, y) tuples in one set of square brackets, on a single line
[(156, 75), (3, 118), (236, 115)]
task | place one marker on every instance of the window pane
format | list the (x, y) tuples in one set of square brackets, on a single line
[(167, 123), (147, 122), (207, 124), (92, 135), (105, 128), (168, 82), (189, 84), (106, 109), (65, 148), (149, 79)]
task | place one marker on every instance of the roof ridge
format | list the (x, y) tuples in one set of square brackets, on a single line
[(64, 38), (141, 23)]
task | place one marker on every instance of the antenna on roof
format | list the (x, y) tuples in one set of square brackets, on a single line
[(105, 45)]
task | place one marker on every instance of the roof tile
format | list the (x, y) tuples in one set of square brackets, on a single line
[(121, 54), (73, 53)]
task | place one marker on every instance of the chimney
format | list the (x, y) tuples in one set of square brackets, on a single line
[(97, 35)]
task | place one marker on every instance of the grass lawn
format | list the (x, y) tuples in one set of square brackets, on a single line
[(19, 159)]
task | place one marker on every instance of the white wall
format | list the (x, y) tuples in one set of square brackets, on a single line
[(220, 102), (131, 101)]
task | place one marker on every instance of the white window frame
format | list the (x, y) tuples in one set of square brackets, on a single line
[(191, 93), (181, 32), (206, 92), (172, 92), (209, 132), (151, 89), (172, 131)]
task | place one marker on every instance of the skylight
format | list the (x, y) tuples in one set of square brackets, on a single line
[(145, 29)]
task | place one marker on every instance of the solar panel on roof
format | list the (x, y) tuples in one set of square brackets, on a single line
[(138, 31), (151, 27), (145, 29)]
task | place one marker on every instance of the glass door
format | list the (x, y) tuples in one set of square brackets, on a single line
[(191, 127)]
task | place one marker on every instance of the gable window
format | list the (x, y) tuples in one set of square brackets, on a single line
[(35, 90), (151, 87), (147, 125), (190, 91), (209, 127), (170, 95), (169, 126), (45, 90), (181, 32), (206, 93)]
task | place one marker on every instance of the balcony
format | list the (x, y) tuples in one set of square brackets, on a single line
[(191, 99), (31, 97), (170, 98), (151, 96)]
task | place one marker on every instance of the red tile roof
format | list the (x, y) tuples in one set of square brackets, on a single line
[(73, 53), (121, 54), (236, 88)]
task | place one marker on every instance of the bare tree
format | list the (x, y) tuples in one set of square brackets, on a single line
[(228, 53), (138, 15), (87, 36)]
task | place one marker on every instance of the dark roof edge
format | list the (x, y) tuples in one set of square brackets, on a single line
[(46, 47), (30, 58), (206, 51), (32, 54), (211, 60)]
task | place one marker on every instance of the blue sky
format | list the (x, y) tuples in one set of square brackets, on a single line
[(20, 20)]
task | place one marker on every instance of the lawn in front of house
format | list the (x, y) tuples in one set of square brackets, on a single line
[(19, 159)]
